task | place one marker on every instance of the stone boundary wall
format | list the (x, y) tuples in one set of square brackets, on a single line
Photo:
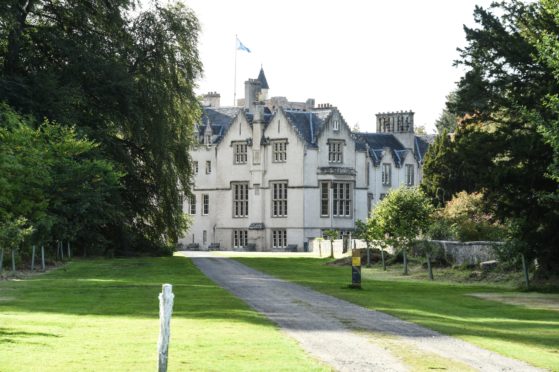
[(461, 253)]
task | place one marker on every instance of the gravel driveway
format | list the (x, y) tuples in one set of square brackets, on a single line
[(343, 335)]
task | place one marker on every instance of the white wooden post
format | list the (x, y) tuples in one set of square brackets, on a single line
[(166, 298)]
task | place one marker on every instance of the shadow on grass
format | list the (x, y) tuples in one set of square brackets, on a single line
[(444, 307), (125, 287)]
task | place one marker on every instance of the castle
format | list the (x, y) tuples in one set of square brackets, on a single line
[(270, 174)]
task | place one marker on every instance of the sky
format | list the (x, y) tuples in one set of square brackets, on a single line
[(364, 57)]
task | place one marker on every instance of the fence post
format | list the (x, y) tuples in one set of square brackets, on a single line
[(166, 298)]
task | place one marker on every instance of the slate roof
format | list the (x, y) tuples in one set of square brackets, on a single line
[(422, 145), (262, 79), (220, 119), (308, 123), (377, 142)]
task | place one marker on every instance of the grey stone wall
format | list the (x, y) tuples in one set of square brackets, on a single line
[(461, 253)]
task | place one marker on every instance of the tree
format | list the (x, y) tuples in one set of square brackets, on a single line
[(361, 232), (51, 186), (126, 80), (403, 215), (376, 234), (447, 120), (331, 235), (504, 98)]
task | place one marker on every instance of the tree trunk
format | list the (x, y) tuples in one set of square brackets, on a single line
[(1, 259), (368, 255), (405, 262), (33, 258), (68, 246), (42, 257), (382, 258), (13, 260), (429, 266), (12, 61), (525, 269), (320, 248), (331, 249)]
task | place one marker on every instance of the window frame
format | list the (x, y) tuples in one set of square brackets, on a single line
[(208, 166), (410, 176), (205, 204), (279, 150), (386, 178), (279, 238), (239, 238), (342, 199), (192, 205), (279, 195), (240, 197), (336, 151), (324, 192), (240, 152), (195, 166)]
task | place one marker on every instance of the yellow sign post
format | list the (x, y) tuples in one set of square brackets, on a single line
[(356, 268)]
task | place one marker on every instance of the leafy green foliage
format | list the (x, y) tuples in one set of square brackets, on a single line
[(51, 186), (125, 79), (503, 145), (447, 121), (468, 220), (401, 216)]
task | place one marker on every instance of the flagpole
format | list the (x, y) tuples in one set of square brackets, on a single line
[(235, 79)]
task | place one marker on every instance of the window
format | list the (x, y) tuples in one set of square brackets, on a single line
[(195, 167), (208, 139), (240, 200), (367, 175), (240, 156), (204, 237), (386, 174), (335, 151), (193, 204), (335, 124), (240, 238), (409, 174), (370, 199), (279, 238), (181, 201), (279, 199), (324, 199), (382, 196), (341, 206), (208, 167), (205, 204), (279, 151)]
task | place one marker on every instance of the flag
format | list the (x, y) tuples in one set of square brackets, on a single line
[(241, 46)]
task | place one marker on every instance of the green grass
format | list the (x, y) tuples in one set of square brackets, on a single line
[(102, 315), (520, 332)]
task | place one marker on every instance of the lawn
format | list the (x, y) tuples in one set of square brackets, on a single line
[(102, 315), (516, 331)]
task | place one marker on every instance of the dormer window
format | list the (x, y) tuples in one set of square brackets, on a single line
[(336, 124)]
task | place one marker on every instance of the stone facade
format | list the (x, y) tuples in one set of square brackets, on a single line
[(273, 174)]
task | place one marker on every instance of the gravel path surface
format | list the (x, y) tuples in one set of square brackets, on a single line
[(345, 336)]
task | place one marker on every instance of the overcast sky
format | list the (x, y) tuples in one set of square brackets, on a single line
[(364, 57)]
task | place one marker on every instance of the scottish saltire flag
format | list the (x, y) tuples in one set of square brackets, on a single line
[(241, 46)]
